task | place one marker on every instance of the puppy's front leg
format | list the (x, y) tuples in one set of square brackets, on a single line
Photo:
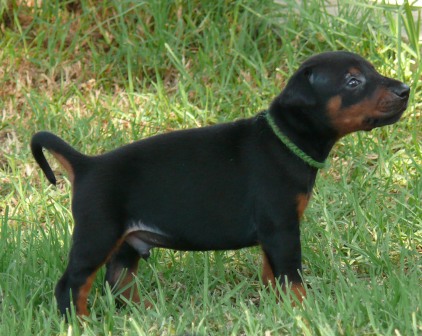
[(282, 259)]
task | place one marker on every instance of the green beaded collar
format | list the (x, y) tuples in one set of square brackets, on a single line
[(290, 145)]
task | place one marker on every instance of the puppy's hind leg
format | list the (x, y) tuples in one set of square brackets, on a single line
[(121, 270), (93, 243)]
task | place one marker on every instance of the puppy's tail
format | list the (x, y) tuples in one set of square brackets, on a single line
[(68, 157)]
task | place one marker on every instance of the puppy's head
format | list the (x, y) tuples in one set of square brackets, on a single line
[(345, 92)]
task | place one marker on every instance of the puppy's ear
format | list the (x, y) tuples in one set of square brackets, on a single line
[(299, 90)]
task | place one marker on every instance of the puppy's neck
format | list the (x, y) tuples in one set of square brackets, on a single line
[(304, 134)]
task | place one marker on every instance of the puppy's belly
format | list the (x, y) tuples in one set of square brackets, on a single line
[(143, 237)]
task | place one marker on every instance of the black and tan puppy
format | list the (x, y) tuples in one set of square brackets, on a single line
[(222, 187)]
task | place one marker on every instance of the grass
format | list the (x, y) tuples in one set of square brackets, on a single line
[(111, 71)]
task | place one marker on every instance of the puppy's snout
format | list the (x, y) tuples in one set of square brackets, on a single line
[(401, 90)]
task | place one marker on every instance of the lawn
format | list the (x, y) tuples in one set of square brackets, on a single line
[(104, 73)]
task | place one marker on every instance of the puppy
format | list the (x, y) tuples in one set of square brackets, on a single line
[(222, 187)]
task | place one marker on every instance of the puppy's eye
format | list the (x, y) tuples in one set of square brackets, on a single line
[(353, 82)]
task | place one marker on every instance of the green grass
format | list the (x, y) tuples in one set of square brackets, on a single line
[(116, 71)]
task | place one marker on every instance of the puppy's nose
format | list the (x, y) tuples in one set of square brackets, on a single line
[(401, 90)]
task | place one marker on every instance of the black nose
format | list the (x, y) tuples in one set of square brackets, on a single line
[(401, 90)]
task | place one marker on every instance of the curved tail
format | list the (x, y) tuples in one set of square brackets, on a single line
[(68, 157)]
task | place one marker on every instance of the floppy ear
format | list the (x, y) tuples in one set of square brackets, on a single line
[(299, 90)]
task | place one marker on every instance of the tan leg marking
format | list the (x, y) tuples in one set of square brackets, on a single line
[(302, 203), (296, 289), (131, 292), (81, 303), (299, 291), (267, 272)]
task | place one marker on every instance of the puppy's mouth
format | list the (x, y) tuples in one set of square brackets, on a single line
[(389, 113)]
